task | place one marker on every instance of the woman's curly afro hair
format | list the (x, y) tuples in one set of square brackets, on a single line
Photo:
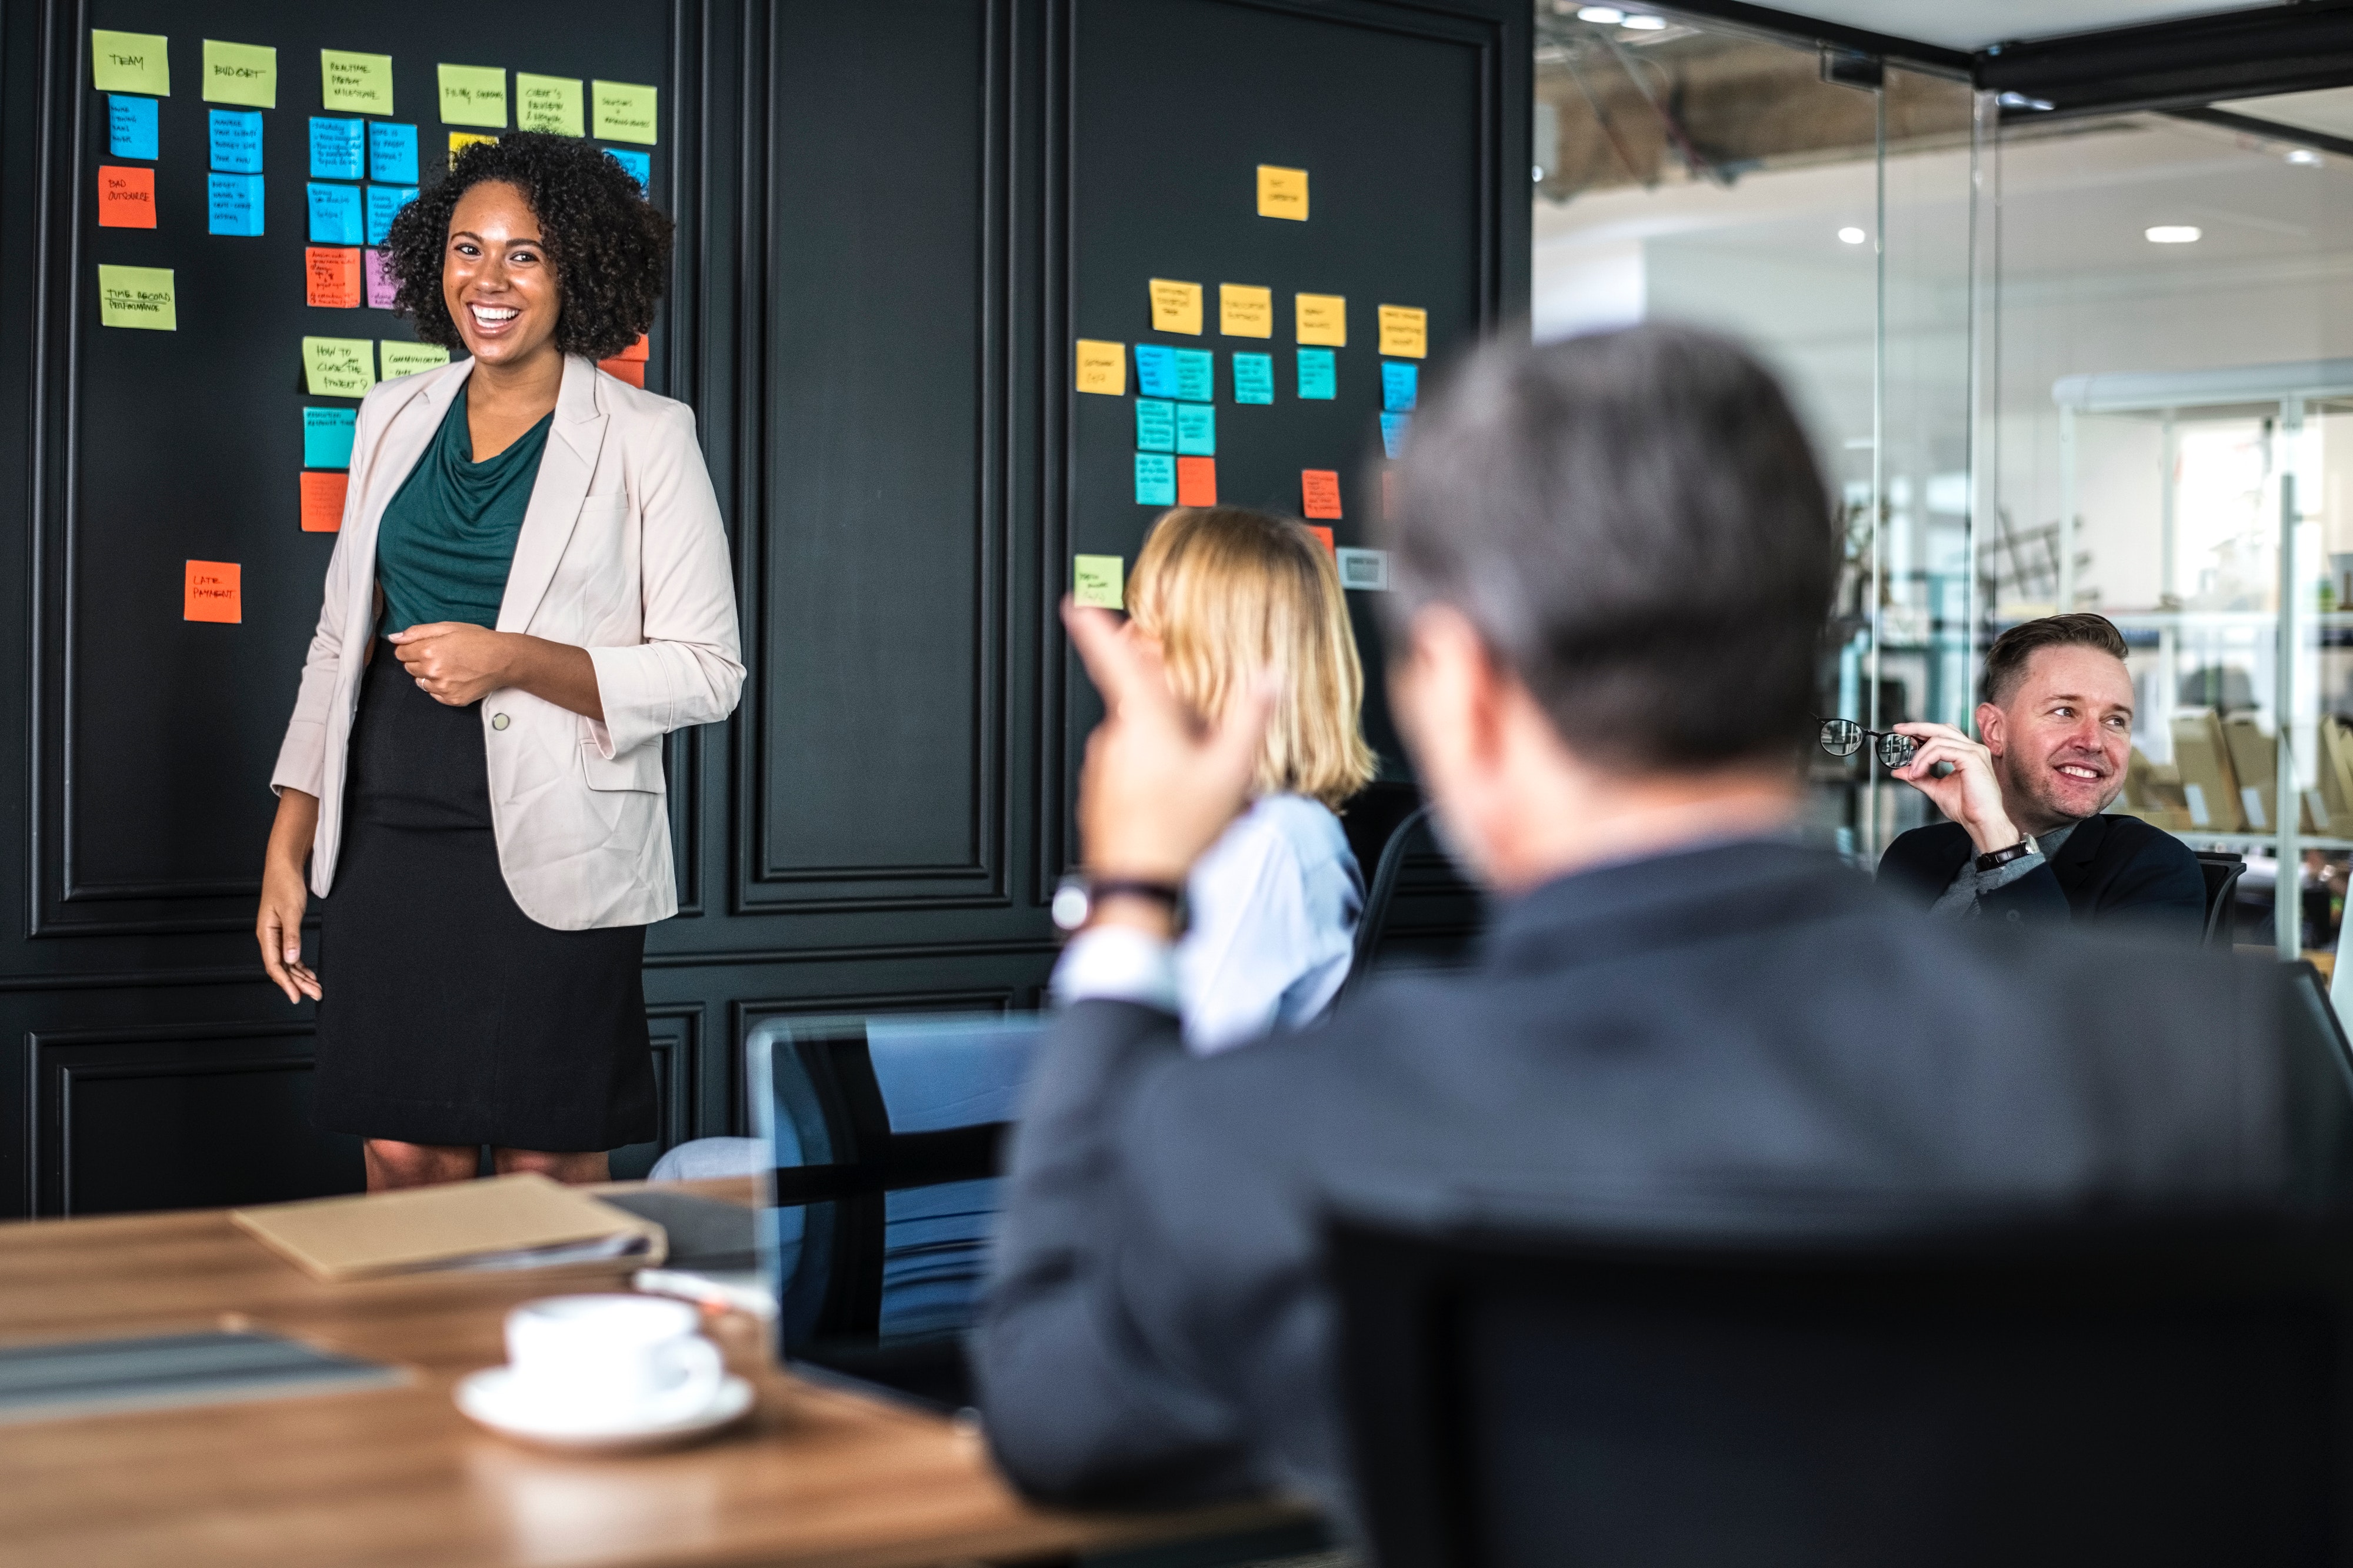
[(608, 244)]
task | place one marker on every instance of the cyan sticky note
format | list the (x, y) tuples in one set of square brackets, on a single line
[(391, 152), (232, 204), (1197, 374), (236, 140), (382, 203), (1156, 480), (1319, 373), (1155, 370), (338, 149), (327, 438), (1196, 430), (1155, 425), (129, 126), (1400, 386), (335, 216), (1253, 378), (1393, 429), (640, 166)]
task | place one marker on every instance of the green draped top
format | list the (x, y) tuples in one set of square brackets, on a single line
[(446, 539)]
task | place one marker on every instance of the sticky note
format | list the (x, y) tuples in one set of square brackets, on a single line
[(632, 371), (1156, 480), (1155, 370), (126, 197), (355, 83), (1400, 387), (1318, 373), (327, 438), (378, 280), (1245, 311), (1282, 193), (383, 204), (1405, 330), (1393, 429), (1103, 367), (624, 112), (1196, 429), (1197, 481), (331, 277), (1319, 492), (640, 166), (461, 139), (323, 494), (128, 62), (403, 358), (552, 103), (338, 367), (240, 73), (137, 297), (1156, 425), (1175, 306), (1097, 582), (1364, 568), (1253, 378), (232, 204), (131, 127), (473, 95), (335, 216), (640, 351), (1197, 374), (236, 140), (338, 149), (1324, 319), (1323, 537), (392, 153), (212, 593)]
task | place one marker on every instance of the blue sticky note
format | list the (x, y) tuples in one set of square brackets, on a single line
[(1253, 378), (1155, 425), (232, 204), (1156, 480), (382, 203), (1196, 429), (640, 166), (1318, 372), (1155, 370), (335, 216), (129, 126), (1400, 386), (236, 140), (1393, 429), (391, 152), (327, 438), (1197, 374), (338, 149)]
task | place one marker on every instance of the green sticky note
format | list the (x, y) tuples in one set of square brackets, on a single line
[(552, 103), (1099, 582), (240, 73), (625, 112), (128, 62), (355, 84), (137, 297), (407, 359), (1196, 429), (339, 368), (474, 95)]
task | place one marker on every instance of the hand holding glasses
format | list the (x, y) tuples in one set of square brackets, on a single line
[(1844, 737)]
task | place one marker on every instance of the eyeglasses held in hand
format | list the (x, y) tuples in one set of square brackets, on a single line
[(1844, 737)]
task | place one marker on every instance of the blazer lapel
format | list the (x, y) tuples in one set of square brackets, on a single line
[(565, 468), (2073, 860), (409, 429)]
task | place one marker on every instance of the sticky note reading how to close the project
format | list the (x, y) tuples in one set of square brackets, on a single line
[(1175, 306), (1405, 330), (1245, 311), (323, 496), (1282, 193), (327, 438), (338, 367), (236, 140), (355, 83), (126, 197), (212, 592), (392, 153), (130, 62), (131, 127), (331, 276), (1098, 582), (1319, 493), (1103, 367), (1324, 319), (137, 297), (1253, 378), (232, 204), (624, 112), (240, 73), (555, 104), (474, 95)]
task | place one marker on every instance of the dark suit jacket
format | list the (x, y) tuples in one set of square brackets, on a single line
[(2110, 868), (1746, 1037)]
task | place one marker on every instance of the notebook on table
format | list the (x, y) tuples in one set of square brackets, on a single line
[(522, 1221)]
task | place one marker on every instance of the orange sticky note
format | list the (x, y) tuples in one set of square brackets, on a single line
[(632, 371), (1319, 490), (331, 276), (323, 501), (213, 593), (640, 351), (126, 197), (1323, 533), (1197, 481)]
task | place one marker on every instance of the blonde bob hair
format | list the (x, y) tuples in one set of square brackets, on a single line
[(1228, 591)]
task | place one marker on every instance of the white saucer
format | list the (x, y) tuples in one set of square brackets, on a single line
[(487, 1398)]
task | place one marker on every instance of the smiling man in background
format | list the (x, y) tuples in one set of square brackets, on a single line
[(2026, 839)]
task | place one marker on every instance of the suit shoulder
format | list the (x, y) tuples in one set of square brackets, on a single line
[(1927, 856), (639, 408)]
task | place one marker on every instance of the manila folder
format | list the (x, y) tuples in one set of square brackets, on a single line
[(499, 1222)]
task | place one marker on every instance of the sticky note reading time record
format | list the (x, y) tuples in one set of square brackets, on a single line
[(473, 95), (355, 83), (137, 297), (240, 73), (1282, 193), (128, 62), (1175, 306), (1097, 582), (338, 367), (1103, 367), (1244, 312), (212, 594)]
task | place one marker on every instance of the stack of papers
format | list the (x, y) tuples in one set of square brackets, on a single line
[(508, 1222)]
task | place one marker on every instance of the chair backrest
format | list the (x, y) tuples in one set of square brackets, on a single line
[(2222, 870), (2114, 1396), (1447, 910)]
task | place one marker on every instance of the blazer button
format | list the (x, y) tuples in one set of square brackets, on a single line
[(498, 720)]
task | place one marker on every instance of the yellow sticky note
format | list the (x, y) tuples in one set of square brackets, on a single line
[(1103, 367), (550, 103), (406, 358), (1099, 582), (461, 139), (130, 62), (1282, 193), (1175, 306), (1405, 331), (355, 84), (240, 73), (1244, 312), (625, 111), (137, 297), (474, 95), (338, 367), (1324, 319)]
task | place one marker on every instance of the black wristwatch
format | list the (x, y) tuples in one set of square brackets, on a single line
[(1994, 859), (1076, 896)]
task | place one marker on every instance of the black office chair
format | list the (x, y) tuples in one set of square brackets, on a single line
[(2092, 1396), (1447, 910), (2222, 870)]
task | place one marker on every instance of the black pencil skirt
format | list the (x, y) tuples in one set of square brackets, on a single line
[(450, 1016)]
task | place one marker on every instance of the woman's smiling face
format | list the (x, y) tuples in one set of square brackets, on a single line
[(496, 278)]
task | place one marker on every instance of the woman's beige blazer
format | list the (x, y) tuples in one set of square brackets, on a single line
[(621, 552)]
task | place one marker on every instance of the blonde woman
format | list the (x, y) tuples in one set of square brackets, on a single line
[(1224, 593)]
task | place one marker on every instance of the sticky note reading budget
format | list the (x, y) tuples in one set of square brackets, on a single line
[(212, 593), (1319, 492), (1405, 331), (126, 197), (1318, 373), (1282, 193), (378, 280), (128, 62), (335, 216), (232, 204), (639, 165), (338, 149), (327, 438), (1156, 480), (554, 104), (473, 95), (1197, 481), (338, 367), (131, 127), (392, 153), (331, 276), (1324, 319), (1253, 378), (1097, 582), (1155, 370), (1245, 311), (323, 496), (1156, 425), (137, 297), (1197, 374), (1103, 367), (355, 83), (1393, 429), (1400, 387), (240, 73), (383, 205), (1196, 429), (236, 140), (1175, 306), (402, 358), (625, 111)]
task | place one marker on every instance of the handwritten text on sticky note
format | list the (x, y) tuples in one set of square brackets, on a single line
[(338, 147), (1103, 367), (1196, 429), (240, 73), (236, 140), (1156, 480), (323, 500), (403, 358), (381, 288), (131, 127), (555, 104), (331, 277), (1324, 319), (137, 297), (1175, 306), (1253, 378), (327, 438), (1405, 330), (1318, 373), (625, 111), (392, 153), (473, 95), (130, 62), (355, 83), (1197, 481), (1282, 193), (213, 593), (232, 204), (126, 197), (1097, 582), (338, 367), (1319, 492), (1245, 311), (1197, 374), (1156, 425), (1155, 370), (1400, 387)]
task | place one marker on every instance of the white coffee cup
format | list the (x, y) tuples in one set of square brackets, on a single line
[(611, 1359)]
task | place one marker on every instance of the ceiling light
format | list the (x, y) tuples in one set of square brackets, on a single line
[(2304, 158), (1602, 16), (1645, 24), (1853, 235), (2174, 234)]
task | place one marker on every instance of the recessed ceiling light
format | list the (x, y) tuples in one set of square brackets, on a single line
[(1645, 24), (2304, 158), (1604, 16), (2174, 234), (1853, 235)]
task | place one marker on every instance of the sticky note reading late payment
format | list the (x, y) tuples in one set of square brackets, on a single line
[(625, 111), (1400, 387), (355, 83), (1196, 429), (128, 62), (1175, 306), (406, 359), (131, 125), (1156, 480), (377, 280), (1155, 370), (232, 204), (1324, 319), (1253, 378), (1103, 367), (323, 496), (1098, 582), (240, 73), (212, 593), (1197, 374), (473, 95), (392, 153), (126, 197), (338, 367), (1318, 373), (554, 104), (338, 149), (1282, 193), (1197, 481), (1405, 331), (236, 140), (331, 277), (1156, 425), (1244, 312), (1319, 492), (327, 438), (137, 297)]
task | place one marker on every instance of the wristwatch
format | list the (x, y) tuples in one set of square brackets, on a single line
[(1994, 859), (1076, 896)]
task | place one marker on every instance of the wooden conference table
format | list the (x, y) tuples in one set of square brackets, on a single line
[(397, 1477)]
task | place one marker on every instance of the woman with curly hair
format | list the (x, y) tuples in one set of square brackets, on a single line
[(530, 588)]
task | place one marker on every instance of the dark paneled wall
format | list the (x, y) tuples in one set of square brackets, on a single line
[(893, 220)]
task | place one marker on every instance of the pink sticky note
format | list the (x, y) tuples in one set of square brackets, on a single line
[(380, 285)]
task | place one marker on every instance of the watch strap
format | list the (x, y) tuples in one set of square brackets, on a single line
[(1995, 860)]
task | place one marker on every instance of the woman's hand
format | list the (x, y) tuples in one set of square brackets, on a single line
[(285, 896), (455, 661)]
